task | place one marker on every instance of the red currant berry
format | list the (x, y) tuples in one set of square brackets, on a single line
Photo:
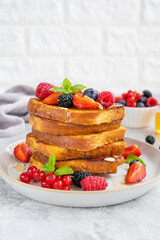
[(59, 177), (58, 184), (39, 176), (66, 188), (31, 170), (44, 184), (124, 96), (67, 180), (25, 178), (137, 96), (50, 178), (130, 94), (130, 101), (134, 104)]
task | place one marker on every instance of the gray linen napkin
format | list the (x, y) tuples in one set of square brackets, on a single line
[(13, 109)]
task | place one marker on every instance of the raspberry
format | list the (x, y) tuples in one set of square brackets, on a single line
[(105, 98), (93, 183), (151, 102), (117, 99), (43, 91)]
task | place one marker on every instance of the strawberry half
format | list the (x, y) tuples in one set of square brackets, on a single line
[(84, 102), (52, 99), (136, 172), (133, 149), (22, 152)]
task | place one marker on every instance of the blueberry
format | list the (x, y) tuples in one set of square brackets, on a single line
[(142, 99), (123, 102), (147, 93), (140, 104), (150, 139), (91, 93), (133, 161)]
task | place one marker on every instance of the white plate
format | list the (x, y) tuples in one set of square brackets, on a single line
[(115, 193)]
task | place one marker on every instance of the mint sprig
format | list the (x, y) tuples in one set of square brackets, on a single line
[(49, 167), (68, 88), (131, 157), (63, 171)]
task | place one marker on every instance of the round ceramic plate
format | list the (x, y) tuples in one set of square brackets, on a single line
[(116, 192)]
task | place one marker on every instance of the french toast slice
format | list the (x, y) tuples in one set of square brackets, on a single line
[(98, 165), (58, 128), (75, 116), (82, 142), (115, 148)]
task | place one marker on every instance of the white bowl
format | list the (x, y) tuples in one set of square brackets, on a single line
[(138, 117)]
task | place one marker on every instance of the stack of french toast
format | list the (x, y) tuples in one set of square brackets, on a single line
[(89, 140)]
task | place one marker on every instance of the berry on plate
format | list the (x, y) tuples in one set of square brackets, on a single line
[(44, 184), (133, 161), (135, 173), (91, 92), (106, 99), (93, 183), (151, 102), (142, 99), (67, 180), (66, 188), (43, 90), (78, 176), (58, 184), (50, 178), (84, 102), (31, 170), (52, 99), (150, 139), (25, 178), (22, 152), (140, 104), (133, 149), (38, 176), (123, 102), (65, 100)]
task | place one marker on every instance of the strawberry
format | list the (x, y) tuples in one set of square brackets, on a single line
[(133, 149), (136, 172), (22, 152), (84, 102), (52, 99)]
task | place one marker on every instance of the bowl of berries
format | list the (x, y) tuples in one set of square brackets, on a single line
[(139, 108)]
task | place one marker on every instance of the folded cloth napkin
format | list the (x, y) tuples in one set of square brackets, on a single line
[(13, 110)]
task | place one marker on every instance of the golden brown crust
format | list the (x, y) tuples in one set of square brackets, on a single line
[(115, 148), (82, 142), (58, 128), (98, 165), (73, 115)]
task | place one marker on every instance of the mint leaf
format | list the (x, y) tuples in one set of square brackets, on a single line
[(66, 85), (57, 89), (63, 171), (131, 157), (77, 88), (50, 165)]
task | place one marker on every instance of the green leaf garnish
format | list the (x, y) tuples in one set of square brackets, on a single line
[(131, 157), (67, 88), (63, 171), (50, 165)]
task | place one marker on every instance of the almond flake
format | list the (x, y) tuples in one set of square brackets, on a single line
[(109, 159), (20, 167), (14, 165), (18, 178)]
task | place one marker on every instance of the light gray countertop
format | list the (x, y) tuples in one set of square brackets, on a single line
[(23, 218)]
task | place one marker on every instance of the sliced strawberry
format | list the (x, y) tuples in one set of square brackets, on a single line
[(52, 99), (22, 152), (105, 98), (133, 149), (84, 102), (136, 172)]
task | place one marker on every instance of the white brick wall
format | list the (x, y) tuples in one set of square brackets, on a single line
[(107, 44)]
